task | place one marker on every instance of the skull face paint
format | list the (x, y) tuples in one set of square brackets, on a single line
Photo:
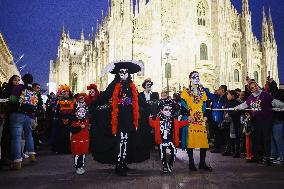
[(148, 86), (167, 111), (81, 113), (92, 92), (123, 74), (195, 79)]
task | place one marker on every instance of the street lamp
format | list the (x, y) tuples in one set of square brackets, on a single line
[(167, 68)]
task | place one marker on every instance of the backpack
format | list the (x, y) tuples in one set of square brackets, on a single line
[(28, 101)]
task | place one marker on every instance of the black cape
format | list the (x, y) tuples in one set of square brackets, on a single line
[(104, 144)]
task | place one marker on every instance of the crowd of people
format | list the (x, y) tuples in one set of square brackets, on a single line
[(120, 126)]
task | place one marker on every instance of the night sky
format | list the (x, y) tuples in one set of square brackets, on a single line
[(33, 28)]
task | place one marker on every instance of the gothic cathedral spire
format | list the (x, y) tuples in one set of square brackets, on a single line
[(245, 7), (136, 7), (264, 27), (63, 34), (271, 28), (82, 35)]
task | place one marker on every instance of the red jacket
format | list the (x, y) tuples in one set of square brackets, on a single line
[(80, 140), (177, 125)]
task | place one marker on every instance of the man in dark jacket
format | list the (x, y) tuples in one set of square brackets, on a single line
[(277, 140), (218, 101)]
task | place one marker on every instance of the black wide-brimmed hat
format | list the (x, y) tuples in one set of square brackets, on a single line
[(114, 67), (148, 80)]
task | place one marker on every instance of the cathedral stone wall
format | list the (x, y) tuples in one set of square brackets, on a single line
[(209, 36)]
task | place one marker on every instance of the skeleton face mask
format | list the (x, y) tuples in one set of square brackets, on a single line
[(195, 79), (148, 86), (123, 74), (92, 92), (81, 113), (167, 111)]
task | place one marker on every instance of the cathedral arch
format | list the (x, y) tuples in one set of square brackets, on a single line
[(168, 70), (74, 82), (202, 13), (236, 75), (203, 52), (142, 72)]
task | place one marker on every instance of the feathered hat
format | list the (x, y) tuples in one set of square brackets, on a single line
[(114, 67), (92, 86), (63, 88)]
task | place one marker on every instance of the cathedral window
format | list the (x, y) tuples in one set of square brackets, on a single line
[(168, 70), (236, 76), (201, 14), (235, 51), (74, 82), (121, 8), (255, 76), (203, 52), (142, 72)]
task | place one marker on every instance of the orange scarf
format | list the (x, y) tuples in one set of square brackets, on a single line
[(114, 119)]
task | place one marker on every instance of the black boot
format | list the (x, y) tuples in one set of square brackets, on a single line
[(266, 161), (119, 170), (125, 167), (191, 165), (205, 167), (165, 167), (202, 164)]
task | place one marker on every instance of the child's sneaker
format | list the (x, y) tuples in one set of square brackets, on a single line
[(25, 155), (165, 169), (278, 161), (80, 171)]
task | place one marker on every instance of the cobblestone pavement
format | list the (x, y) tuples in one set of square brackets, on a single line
[(56, 171)]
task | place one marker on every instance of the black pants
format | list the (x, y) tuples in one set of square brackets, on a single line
[(262, 138), (218, 135), (6, 141), (122, 147), (79, 161), (163, 149), (202, 155)]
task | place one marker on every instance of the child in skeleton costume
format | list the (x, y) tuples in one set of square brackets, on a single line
[(167, 132), (195, 98), (124, 119), (80, 134)]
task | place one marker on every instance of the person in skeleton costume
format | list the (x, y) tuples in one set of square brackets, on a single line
[(65, 111), (93, 93), (261, 104), (195, 98), (148, 102), (167, 132), (80, 134), (124, 119)]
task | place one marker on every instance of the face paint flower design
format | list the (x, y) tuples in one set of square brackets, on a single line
[(92, 92), (81, 112), (123, 74), (167, 111), (195, 79)]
